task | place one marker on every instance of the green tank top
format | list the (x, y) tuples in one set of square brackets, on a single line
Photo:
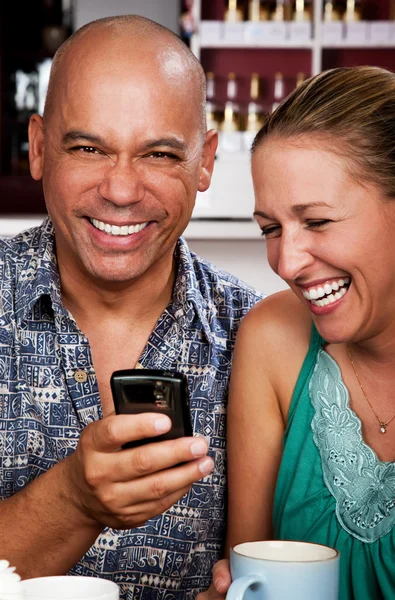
[(331, 488)]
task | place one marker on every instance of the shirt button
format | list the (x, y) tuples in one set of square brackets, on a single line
[(80, 376)]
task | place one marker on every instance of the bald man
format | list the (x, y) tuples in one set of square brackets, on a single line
[(108, 283)]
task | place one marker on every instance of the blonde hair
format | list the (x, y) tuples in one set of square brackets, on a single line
[(352, 110)]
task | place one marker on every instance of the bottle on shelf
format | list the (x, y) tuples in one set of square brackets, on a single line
[(303, 11), (353, 11), (211, 109), (331, 13), (258, 10), (233, 13), (282, 11), (255, 110), (279, 92), (231, 120), (255, 114), (299, 79), (230, 136)]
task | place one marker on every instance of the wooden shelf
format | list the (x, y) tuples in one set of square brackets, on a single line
[(358, 45), (285, 45)]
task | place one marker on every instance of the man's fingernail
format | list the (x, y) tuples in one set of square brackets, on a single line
[(198, 448), (206, 465), (162, 424)]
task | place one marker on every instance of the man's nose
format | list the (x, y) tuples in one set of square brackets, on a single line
[(122, 184), (295, 255)]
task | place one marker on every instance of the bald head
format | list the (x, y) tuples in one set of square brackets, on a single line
[(134, 39)]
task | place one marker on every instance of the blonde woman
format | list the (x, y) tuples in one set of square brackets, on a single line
[(311, 421)]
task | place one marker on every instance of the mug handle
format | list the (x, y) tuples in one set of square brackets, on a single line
[(240, 585)]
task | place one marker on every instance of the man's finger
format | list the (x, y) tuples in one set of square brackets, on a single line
[(157, 486), (151, 458), (113, 431)]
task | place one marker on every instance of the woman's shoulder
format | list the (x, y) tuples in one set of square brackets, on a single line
[(280, 317), (277, 332)]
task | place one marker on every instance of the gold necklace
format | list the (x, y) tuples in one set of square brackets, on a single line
[(383, 424)]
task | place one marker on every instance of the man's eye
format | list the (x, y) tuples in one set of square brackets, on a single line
[(162, 155), (86, 149)]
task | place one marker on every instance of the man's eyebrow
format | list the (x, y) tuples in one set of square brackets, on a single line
[(297, 208), (166, 142), (74, 135)]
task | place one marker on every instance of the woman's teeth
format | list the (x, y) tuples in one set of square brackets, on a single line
[(328, 293), (116, 229)]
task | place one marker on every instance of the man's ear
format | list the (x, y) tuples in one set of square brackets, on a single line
[(207, 162), (36, 146)]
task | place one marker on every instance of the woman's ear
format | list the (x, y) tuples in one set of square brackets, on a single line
[(36, 146)]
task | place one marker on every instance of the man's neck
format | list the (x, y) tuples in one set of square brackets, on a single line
[(139, 300)]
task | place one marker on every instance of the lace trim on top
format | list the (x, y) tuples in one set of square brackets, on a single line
[(362, 485)]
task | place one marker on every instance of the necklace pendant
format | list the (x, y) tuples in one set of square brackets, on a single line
[(383, 428)]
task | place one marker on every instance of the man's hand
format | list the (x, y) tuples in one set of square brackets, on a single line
[(220, 584), (122, 489)]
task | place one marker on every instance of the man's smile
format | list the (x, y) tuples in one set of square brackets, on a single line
[(118, 229)]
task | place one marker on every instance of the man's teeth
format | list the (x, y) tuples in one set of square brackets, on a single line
[(116, 229), (332, 292)]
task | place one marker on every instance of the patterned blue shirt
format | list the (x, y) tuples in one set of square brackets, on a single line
[(43, 408)]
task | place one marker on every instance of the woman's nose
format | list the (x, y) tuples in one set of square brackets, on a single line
[(294, 257)]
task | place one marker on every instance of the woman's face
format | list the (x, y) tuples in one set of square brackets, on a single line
[(329, 237)]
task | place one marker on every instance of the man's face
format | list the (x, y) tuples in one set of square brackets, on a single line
[(123, 158)]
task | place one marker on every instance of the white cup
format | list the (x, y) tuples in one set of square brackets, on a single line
[(69, 587)]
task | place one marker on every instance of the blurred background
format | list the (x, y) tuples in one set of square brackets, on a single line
[(254, 53)]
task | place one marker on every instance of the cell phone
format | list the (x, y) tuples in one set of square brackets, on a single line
[(138, 391)]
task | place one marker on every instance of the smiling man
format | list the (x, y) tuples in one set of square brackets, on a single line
[(107, 283)]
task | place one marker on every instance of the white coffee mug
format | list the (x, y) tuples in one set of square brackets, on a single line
[(283, 570), (70, 587)]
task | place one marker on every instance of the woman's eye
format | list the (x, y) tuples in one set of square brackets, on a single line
[(270, 232), (317, 224)]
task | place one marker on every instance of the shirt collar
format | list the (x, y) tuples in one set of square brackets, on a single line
[(39, 276), (191, 299), (38, 273)]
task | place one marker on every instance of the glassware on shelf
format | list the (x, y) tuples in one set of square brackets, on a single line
[(353, 11), (303, 11), (187, 22), (255, 110), (279, 92), (282, 11), (255, 114), (211, 110), (233, 13), (258, 10), (300, 77), (230, 137), (231, 120), (331, 12)]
